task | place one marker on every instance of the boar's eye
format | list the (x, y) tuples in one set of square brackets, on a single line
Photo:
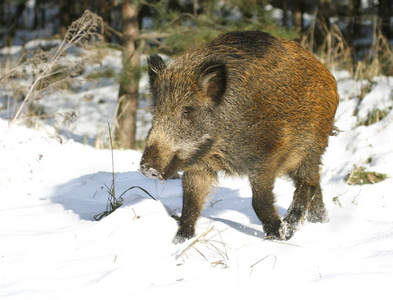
[(186, 112)]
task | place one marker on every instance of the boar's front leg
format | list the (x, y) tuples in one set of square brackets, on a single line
[(263, 204), (196, 187)]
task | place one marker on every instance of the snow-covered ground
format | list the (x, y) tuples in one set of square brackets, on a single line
[(53, 183)]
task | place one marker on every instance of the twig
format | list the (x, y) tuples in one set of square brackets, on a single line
[(88, 27), (210, 244), (113, 161), (253, 265), (137, 187), (113, 201), (191, 245), (284, 243)]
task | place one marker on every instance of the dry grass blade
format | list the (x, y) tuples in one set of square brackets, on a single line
[(334, 50), (215, 247), (114, 202), (380, 54), (267, 256), (307, 40), (191, 245), (85, 30), (359, 176)]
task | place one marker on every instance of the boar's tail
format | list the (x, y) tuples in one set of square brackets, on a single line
[(335, 131)]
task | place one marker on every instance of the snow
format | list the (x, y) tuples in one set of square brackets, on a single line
[(53, 182)]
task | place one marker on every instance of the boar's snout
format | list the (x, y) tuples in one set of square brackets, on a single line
[(148, 165), (158, 164), (150, 172)]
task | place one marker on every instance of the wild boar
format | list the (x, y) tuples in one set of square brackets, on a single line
[(248, 104)]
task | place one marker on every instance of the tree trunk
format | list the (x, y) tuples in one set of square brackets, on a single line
[(384, 14), (354, 26), (285, 14), (2, 20), (14, 23), (67, 14), (298, 15), (36, 14), (325, 11), (128, 91), (104, 9)]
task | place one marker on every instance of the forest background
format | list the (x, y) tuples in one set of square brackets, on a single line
[(355, 35)]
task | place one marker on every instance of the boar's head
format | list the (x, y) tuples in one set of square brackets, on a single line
[(185, 95)]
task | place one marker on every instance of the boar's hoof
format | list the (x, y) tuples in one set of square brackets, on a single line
[(284, 232), (287, 231), (318, 215), (183, 235), (179, 239), (276, 232)]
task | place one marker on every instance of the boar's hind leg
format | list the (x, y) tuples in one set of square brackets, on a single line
[(317, 212), (307, 199), (263, 204), (196, 187)]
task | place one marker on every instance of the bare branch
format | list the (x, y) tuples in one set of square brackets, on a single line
[(84, 32)]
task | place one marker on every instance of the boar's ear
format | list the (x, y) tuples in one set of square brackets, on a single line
[(155, 66), (212, 80)]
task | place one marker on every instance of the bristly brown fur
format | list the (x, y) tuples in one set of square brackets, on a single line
[(250, 104)]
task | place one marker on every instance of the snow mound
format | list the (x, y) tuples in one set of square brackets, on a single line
[(52, 186)]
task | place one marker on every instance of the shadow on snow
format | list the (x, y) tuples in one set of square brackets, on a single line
[(88, 195)]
